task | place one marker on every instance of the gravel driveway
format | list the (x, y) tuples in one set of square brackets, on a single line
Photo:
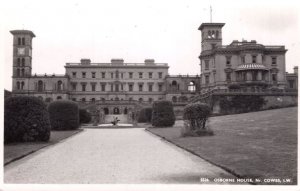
[(112, 156)]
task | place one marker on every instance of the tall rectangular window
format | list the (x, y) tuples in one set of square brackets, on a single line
[(150, 75), (253, 58), (122, 75), (111, 75), (23, 41), (74, 87), (206, 79), (93, 74), (160, 75), (74, 74), (274, 60), (117, 87), (103, 87), (150, 87), (140, 87), (243, 59), (130, 75), (83, 87), (160, 87), (103, 75), (19, 41), (206, 63), (130, 87), (83, 74), (140, 74), (274, 77), (93, 87), (111, 87)]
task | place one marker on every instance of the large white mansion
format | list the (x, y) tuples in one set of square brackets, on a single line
[(116, 85)]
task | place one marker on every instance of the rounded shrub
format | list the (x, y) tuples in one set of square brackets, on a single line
[(84, 116), (64, 115), (25, 119), (195, 116), (163, 114), (145, 115)]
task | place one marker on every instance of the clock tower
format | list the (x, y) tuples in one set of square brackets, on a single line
[(22, 57)]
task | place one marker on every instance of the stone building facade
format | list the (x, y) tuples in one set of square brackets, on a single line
[(245, 65), (116, 87)]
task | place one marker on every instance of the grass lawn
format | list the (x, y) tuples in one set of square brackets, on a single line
[(252, 145), (14, 151)]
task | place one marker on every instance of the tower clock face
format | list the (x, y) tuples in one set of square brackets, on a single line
[(21, 51)]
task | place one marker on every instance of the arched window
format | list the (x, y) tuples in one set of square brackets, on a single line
[(213, 34), (93, 99), (130, 99), (40, 86), (83, 99), (125, 110), (18, 72), (209, 34), (23, 62), (59, 86), (140, 100), (106, 111), (174, 86), (18, 85), (150, 99), (58, 97), (192, 86), (18, 62), (23, 72), (174, 99), (22, 85), (103, 99)]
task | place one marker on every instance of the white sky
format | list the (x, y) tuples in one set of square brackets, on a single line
[(165, 30)]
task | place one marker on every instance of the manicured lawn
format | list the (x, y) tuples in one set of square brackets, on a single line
[(252, 145), (15, 151)]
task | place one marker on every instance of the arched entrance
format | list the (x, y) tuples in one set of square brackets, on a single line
[(116, 110)]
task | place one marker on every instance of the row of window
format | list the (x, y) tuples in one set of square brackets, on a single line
[(228, 61), (116, 87), (21, 61), (20, 72), (118, 75), (20, 85), (21, 41), (243, 77)]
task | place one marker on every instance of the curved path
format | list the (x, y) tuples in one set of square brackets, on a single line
[(112, 156)]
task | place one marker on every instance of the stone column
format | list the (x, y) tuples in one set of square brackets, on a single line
[(249, 76), (259, 76)]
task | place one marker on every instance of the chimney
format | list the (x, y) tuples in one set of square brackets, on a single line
[(117, 61), (149, 61), (296, 70), (85, 61)]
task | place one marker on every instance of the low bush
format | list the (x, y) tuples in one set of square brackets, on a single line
[(64, 115), (84, 116), (25, 119), (145, 115), (195, 116), (163, 114), (241, 103)]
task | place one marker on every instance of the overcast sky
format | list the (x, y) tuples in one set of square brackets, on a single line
[(165, 30)]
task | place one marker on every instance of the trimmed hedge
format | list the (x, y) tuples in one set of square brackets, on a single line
[(84, 116), (64, 115), (25, 119), (145, 115), (195, 116), (163, 114), (241, 103)]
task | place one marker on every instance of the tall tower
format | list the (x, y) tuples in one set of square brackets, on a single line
[(22, 56), (211, 35)]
